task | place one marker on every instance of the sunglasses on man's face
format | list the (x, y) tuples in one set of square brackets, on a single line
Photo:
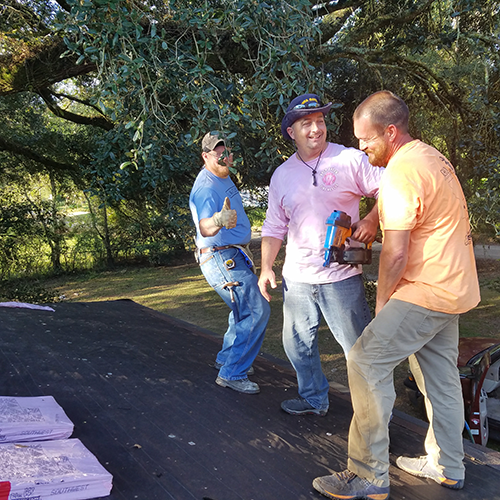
[(308, 105), (225, 154)]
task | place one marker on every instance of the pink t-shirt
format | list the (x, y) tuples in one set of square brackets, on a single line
[(299, 210), (420, 192)]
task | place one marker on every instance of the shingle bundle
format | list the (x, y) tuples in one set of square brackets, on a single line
[(32, 419), (36, 459)]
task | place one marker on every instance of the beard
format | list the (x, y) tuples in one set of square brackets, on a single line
[(378, 157)]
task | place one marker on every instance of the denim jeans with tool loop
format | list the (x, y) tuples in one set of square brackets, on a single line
[(249, 314)]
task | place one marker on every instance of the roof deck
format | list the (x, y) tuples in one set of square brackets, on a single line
[(139, 387)]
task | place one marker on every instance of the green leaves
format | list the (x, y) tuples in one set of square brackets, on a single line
[(189, 68), (166, 72)]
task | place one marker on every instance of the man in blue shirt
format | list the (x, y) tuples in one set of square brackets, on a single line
[(222, 236)]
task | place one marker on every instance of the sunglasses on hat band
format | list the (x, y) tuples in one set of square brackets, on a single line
[(308, 105)]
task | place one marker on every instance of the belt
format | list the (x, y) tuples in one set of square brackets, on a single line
[(214, 249)]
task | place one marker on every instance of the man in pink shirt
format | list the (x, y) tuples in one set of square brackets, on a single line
[(427, 277), (319, 178)]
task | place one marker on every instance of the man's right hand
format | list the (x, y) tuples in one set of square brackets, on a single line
[(226, 217), (264, 279)]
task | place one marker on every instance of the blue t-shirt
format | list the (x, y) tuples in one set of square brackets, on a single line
[(207, 197)]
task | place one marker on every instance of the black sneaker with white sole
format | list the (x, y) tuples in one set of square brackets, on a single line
[(299, 406)]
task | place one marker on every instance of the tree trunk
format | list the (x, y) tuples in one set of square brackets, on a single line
[(55, 235), (110, 261)]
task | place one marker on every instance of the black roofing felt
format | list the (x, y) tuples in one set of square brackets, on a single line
[(140, 390)]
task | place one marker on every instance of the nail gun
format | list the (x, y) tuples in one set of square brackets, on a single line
[(339, 229)]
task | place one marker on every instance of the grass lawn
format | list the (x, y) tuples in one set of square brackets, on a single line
[(182, 292)]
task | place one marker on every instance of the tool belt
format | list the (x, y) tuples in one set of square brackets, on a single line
[(215, 249), (244, 249)]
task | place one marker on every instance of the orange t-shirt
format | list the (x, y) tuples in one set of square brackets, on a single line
[(420, 192)]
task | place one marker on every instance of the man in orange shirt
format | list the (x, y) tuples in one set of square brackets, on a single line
[(427, 277)]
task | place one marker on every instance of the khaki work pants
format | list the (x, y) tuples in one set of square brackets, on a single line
[(430, 340)]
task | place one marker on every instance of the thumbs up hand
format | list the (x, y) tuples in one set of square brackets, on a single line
[(226, 217), (227, 204)]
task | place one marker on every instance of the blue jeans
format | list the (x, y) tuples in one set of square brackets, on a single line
[(344, 307), (249, 314)]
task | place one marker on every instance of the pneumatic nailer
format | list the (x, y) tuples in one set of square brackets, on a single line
[(339, 229)]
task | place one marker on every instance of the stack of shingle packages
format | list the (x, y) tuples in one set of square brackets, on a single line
[(38, 461)]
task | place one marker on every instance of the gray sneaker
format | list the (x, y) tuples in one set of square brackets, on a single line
[(218, 366), (243, 385), (347, 485), (420, 467), (299, 406)]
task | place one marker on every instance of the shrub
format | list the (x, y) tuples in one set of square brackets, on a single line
[(26, 290)]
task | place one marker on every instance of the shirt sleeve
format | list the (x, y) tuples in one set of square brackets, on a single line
[(401, 201), (369, 177), (207, 202)]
